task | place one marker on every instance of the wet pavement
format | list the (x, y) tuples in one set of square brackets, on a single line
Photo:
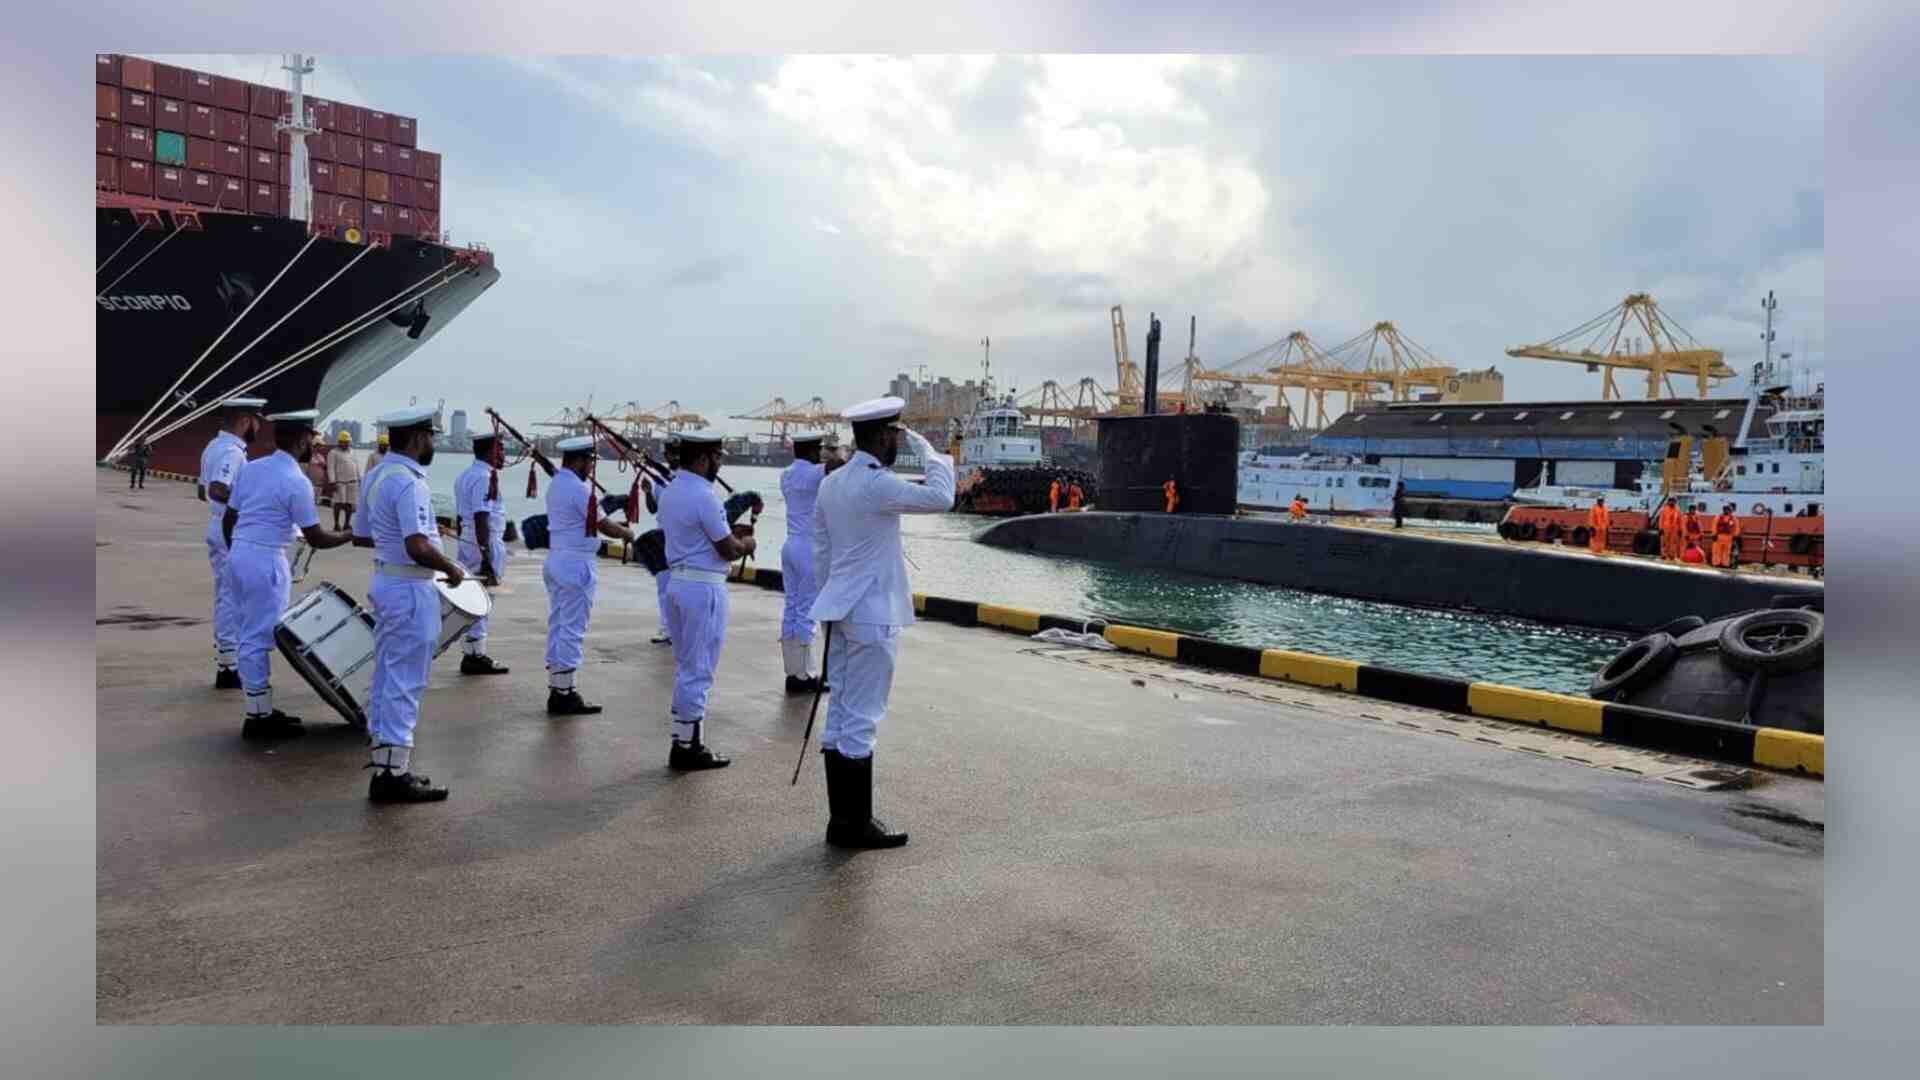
[(1088, 846)]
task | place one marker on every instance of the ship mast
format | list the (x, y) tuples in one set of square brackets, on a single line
[(298, 125)]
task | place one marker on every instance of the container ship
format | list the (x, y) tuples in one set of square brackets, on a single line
[(256, 240)]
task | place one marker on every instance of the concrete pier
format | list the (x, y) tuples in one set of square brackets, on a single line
[(1557, 585), (1096, 838)]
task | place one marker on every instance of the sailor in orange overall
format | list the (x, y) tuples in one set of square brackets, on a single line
[(1053, 496), (1669, 531), (1690, 527), (1692, 552), (1726, 530), (1597, 522), (1075, 497), (1297, 510), (1173, 494)]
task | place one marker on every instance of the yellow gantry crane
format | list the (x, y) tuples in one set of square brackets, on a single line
[(1668, 349), (1291, 365), (1387, 359), (783, 419), (1130, 393), (1071, 409)]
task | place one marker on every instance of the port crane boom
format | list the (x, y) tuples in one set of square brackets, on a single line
[(1670, 350)]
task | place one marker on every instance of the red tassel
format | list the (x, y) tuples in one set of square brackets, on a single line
[(493, 485), (533, 480), (633, 499)]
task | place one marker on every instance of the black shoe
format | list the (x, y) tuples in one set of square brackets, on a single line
[(695, 758), (808, 685), (569, 703), (274, 725), (386, 787), (226, 679), (481, 664), (661, 638), (854, 826)]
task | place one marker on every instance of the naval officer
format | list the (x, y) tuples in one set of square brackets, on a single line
[(865, 600), (220, 462), (270, 499), (482, 514), (700, 545), (397, 510), (800, 486), (573, 542)]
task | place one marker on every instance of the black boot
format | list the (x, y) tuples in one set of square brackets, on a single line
[(854, 825), (480, 664), (569, 703), (808, 684), (695, 757), (274, 725), (389, 787), (226, 678)]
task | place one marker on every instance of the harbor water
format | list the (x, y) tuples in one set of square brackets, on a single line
[(946, 562)]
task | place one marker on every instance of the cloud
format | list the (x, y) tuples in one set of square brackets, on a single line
[(826, 227), (703, 271)]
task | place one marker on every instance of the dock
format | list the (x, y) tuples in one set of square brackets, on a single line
[(1097, 838)]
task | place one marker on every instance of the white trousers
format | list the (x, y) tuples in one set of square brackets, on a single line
[(860, 666), (260, 582), (406, 627), (571, 581), (801, 588), (226, 613), (660, 582), (697, 621), (470, 561)]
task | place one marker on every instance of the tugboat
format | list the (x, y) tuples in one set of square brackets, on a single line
[(1330, 485), (1002, 468)]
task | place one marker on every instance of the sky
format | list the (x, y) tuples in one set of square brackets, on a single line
[(724, 231)]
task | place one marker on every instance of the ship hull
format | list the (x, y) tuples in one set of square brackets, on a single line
[(170, 295)]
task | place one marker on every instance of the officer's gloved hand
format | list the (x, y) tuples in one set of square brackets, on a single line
[(920, 444)]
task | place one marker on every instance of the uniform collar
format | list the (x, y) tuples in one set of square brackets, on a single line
[(870, 459), (687, 474), (279, 453), (230, 437), (415, 467)]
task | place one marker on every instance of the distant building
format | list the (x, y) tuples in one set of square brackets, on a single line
[(351, 427), (459, 429)]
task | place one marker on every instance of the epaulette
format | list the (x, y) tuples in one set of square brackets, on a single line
[(874, 465)]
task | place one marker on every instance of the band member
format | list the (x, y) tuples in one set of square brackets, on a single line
[(800, 486), (482, 513), (700, 545), (219, 464), (653, 544), (397, 512), (569, 573), (270, 499), (866, 600)]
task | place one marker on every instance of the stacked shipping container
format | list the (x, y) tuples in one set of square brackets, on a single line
[(187, 136)]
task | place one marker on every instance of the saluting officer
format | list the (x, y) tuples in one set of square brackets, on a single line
[(482, 513), (700, 544), (398, 514), (220, 463), (865, 600), (569, 573), (270, 499), (800, 486)]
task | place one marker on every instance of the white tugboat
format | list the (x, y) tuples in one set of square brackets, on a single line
[(1330, 485)]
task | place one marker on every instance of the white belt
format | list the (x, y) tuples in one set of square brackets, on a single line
[(688, 573), (281, 547), (404, 570)]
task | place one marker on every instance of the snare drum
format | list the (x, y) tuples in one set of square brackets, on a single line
[(328, 638), (461, 606)]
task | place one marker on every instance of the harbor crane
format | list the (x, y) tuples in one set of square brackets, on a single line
[(1072, 409), (1392, 361), (783, 419), (1130, 391), (1668, 349)]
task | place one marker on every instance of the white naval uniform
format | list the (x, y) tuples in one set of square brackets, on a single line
[(273, 499), (799, 487), (570, 576), (470, 498), (694, 520), (863, 585), (397, 503), (221, 461)]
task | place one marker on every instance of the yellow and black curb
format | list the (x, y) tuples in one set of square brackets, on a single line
[(1647, 729)]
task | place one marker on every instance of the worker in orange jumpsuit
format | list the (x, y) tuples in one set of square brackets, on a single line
[(1691, 554), (1075, 497), (1053, 496), (1173, 495), (1597, 526), (1726, 529), (1691, 528), (1669, 531), (1297, 510)]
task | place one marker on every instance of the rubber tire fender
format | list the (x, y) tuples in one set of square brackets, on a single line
[(1681, 625), (1635, 666), (1801, 544), (1528, 531), (1552, 532), (1799, 656), (1581, 534)]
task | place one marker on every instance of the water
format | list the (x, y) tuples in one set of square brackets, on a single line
[(946, 562)]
